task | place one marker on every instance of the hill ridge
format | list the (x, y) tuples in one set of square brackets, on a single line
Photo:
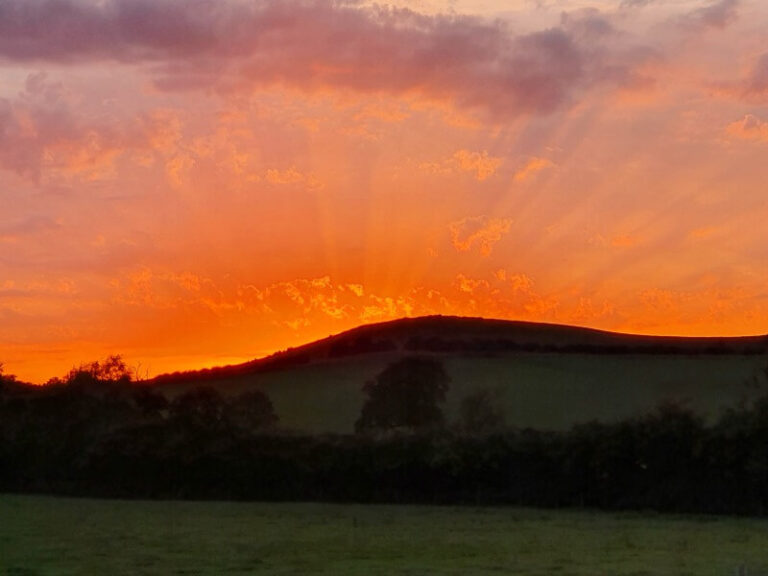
[(438, 334)]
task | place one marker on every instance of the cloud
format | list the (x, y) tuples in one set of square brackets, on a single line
[(387, 307), (44, 131), (312, 44), (749, 128), (753, 87), (15, 231), (469, 285), (520, 282), (291, 176), (37, 118), (757, 82), (703, 304), (295, 304), (128, 30), (625, 241), (513, 296), (715, 15), (480, 164), (32, 290), (587, 24), (634, 3), (480, 231), (531, 168), (704, 232), (282, 177)]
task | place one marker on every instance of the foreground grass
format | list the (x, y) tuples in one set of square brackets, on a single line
[(42, 536)]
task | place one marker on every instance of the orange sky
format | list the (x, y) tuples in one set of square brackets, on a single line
[(191, 183)]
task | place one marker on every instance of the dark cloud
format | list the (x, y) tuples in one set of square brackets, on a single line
[(310, 44), (587, 24), (72, 30)]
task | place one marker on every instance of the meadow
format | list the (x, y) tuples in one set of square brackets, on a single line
[(539, 390), (59, 536)]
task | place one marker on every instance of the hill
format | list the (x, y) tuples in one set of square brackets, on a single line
[(544, 375)]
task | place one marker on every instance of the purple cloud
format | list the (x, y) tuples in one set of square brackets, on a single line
[(757, 83), (311, 44), (716, 15)]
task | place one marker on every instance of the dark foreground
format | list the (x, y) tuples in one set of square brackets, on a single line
[(42, 535), (104, 437)]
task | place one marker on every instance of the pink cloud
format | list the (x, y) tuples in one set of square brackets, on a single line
[(752, 87), (757, 82), (718, 14), (44, 130), (15, 231), (311, 44)]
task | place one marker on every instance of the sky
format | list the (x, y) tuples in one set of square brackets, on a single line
[(192, 183)]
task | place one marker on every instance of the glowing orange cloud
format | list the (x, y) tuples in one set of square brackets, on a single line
[(479, 231), (749, 128), (531, 167)]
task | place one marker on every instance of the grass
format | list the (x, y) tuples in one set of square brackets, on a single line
[(538, 390), (53, 536)]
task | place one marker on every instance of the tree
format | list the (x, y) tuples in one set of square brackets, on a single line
[(113, 370), (201, 408), (150, 403), (6, 378), (406, 394), (480, 413), (252, 412)]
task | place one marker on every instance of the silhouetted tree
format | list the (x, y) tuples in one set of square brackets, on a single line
[(481, 413), (112, 371), (407, 394), (202, 408), (252, 412), (150, 403), (5, 377)]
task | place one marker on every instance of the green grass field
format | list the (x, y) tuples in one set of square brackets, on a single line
[(537, 390), (52, 536)]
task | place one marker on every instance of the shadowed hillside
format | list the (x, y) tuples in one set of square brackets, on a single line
[(544, 375)]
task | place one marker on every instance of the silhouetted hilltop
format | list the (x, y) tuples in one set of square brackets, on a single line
[(473, 336)]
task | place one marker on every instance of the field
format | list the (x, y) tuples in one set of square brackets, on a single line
[(537, 390), (51, 536), (566, 375)]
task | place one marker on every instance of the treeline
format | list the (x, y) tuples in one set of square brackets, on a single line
[(506, 346), (94, 433)]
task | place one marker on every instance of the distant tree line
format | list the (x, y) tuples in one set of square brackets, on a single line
[(491, 346), (96, 433)]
